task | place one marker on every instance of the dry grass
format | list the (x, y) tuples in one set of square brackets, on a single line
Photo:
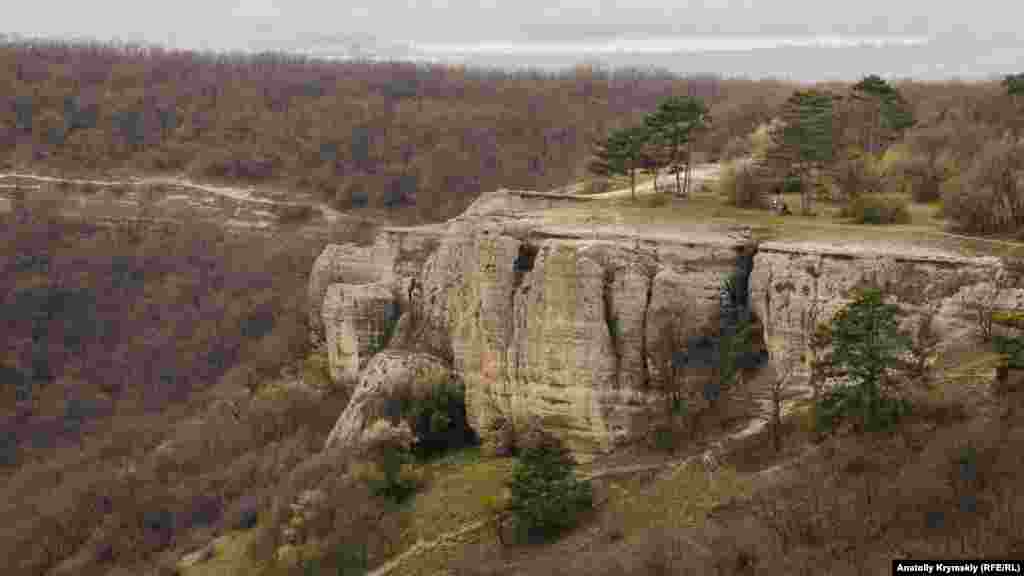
[(706, 210), (456, 493), (230, 557)]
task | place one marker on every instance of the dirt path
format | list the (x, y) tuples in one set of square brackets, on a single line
[(665, 468), (700, 173), (233, 192)]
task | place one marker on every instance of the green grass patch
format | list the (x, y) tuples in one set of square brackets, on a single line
[(678, 501), (456, 493), (1014, 318)]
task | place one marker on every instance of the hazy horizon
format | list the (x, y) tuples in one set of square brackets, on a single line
[(975, 40)]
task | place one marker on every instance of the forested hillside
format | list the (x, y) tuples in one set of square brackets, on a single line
[(356, 132)]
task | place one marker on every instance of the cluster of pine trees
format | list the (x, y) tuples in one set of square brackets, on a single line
[(664, 139)]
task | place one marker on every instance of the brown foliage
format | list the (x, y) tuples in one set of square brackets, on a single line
[(114, 339), (989, 198), (877, 210), (429, 136)]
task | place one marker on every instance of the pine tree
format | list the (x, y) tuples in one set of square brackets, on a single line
[(888, 114), (674, 123), (622, 153), (1014, 84), (805, 138)]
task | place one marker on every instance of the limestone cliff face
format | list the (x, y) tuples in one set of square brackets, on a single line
[(537, 319), (795, 287), (564, 320)]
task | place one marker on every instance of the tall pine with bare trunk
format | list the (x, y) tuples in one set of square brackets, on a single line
[(805, 139)]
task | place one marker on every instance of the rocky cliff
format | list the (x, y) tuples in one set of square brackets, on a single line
[(562, 317), (796, 286)]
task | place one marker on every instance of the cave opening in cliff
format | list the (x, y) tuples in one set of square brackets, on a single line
[(525, 258)]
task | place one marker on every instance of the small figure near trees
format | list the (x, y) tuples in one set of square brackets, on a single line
[(778, 205)]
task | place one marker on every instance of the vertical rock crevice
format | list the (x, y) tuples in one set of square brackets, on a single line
[(526, 257), (646, 376), (612, 322)]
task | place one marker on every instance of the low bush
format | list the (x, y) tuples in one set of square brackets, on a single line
[(740, 185), (858, 175), (792, 185), (877, 210)]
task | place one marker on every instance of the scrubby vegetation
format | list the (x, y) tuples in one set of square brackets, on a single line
[(877, 210)]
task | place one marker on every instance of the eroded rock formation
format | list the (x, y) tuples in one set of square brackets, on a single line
[(537, 318), (559, 317), (389, 376), (795, 287)]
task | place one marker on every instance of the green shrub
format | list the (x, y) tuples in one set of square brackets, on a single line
[(1012, 347), (870, 209), (388, 449), (439, 421), (546, 498), (792, 185), (669, 436)]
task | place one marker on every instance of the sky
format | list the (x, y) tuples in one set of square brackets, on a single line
[(453, 27)]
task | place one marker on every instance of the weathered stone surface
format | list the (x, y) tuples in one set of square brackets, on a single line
[(797, 287), (547, 321), (194, 558), (561, 320), (395, 254), (390, 374), (356, 323), (346, 263)]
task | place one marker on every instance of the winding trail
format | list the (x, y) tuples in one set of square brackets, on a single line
[(235, 193)]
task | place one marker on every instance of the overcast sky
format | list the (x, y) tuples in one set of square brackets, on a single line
[(521, 26), (235, 23)]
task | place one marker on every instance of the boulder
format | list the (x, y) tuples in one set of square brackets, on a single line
[(388, 376)]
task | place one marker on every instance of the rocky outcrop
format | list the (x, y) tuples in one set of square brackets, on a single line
[(795, 287), (537, 318), (544, 310), (387, 378), (391, 257), (358, 320)]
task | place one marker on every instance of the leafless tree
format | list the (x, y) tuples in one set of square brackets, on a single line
[(778, 386)]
